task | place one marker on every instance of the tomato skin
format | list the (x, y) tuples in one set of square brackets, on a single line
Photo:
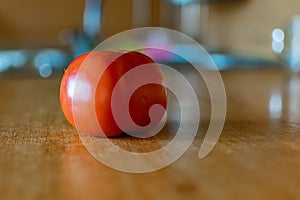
[(140, 102), (65, 99)]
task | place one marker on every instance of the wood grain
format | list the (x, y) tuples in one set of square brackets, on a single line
[(257, 156)]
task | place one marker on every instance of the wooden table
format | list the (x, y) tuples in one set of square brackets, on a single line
[(257, 156)]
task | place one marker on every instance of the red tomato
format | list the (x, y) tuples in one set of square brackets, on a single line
[(140, 101)]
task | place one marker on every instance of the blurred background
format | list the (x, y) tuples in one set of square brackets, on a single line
[(42, 37)]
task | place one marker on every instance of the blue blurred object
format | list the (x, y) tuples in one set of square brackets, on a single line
[(47, 60), (183, 2), (54, 58), (20, 62), (222, 61), (81, 43), (92, 17), (13, 58)]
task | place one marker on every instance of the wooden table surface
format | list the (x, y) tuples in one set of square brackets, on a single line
[(257, 156)]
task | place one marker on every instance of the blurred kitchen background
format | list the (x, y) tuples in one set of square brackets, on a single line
[(42, 37)]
